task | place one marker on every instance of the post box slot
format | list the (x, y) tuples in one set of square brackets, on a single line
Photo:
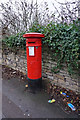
[(31, 42)]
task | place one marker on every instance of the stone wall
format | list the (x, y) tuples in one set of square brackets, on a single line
[(63, 79)]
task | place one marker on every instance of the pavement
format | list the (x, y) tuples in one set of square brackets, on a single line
[(0, 92), (17, 102)]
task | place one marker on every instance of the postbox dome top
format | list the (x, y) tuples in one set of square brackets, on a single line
[(33, 34)]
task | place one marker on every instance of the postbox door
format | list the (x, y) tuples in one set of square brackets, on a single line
[(34, 66)]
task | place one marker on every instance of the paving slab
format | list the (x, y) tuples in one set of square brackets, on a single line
[(10, 109)]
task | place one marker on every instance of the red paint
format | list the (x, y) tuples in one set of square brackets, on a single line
[(34, 65)]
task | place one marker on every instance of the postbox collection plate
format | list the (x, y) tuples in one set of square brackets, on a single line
[(31, 51)]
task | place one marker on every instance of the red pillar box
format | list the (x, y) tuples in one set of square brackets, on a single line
[(34, 58)]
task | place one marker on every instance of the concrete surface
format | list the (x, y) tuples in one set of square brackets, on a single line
[(20, 103), (0, 91)]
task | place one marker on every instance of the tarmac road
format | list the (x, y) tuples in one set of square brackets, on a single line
[(20, 103)]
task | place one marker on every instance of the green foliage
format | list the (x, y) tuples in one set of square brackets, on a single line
[(62, 39), (15, 41)]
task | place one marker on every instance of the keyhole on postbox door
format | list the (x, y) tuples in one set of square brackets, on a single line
[(31, 51)]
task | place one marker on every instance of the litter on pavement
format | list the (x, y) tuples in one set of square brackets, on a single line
[(71, 106), (28, 115), (64, 94), (51, 101), (26, 86)]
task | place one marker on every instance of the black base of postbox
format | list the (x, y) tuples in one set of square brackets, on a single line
[(35, 84)]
